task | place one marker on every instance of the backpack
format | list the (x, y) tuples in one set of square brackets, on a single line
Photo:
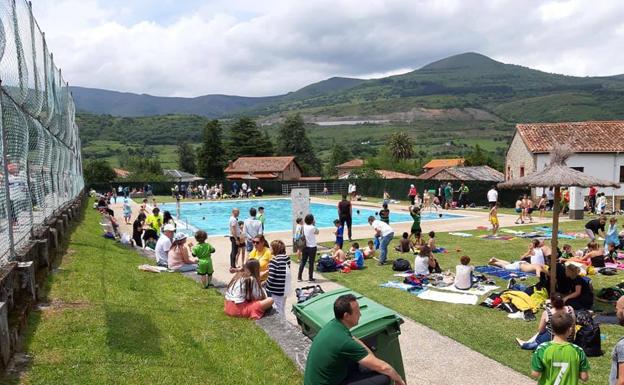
[(588, 336), (401, 265), (305, 293), (326, 264)]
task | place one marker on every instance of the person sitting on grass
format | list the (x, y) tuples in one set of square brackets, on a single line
[(278, 281), (582, 295), (338, 254), (464, 273), (544, 330), (369, 251), (335, 356), (203, 251), (567, 253), (425, 263), (612, 253), (262, 253), (593, 256), (535, 264), (357, 262), (404, 244), (179, 257), (494, 218), (559, 361), (417, 241), (244, 296), (339, 233)]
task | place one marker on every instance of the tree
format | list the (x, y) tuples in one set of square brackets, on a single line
[(479, 157), (98, 171), (365, 173), (211, 159), (266, 143), (292, 140), (401, 146), (245, 139), (186, 157)]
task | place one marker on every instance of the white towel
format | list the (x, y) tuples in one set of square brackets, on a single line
[(439, 296)]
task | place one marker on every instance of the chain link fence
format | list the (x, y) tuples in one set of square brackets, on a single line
[(40, 167)]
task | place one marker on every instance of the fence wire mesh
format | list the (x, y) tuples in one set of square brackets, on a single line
[(40, 166)]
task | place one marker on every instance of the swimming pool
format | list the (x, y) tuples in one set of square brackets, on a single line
[(213, 217)]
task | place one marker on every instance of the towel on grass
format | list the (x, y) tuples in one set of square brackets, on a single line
[(491, 237), (482, 290), (440, 250), (401, 286), (152, 268), (463, 235), (500, 272), (439, 296), (619, 266)]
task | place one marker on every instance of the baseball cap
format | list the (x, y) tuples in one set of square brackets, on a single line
[(169, 227), (179, 237)]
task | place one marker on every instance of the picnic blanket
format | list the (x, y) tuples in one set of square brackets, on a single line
[(500, 272), (491, 237), (440, 296), (480, 290), (463, 235), (401, 286), (619, 266), (439, 250)]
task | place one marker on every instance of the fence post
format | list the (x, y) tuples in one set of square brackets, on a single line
[(5, 174)]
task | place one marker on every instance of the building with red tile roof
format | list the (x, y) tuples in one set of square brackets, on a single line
[(345, 168), (444, 163), (264, 167)]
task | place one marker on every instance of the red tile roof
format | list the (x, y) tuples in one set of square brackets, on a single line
[(121, 173), (388, 174), (471, 173), (431, 173), (310, 178), (591, 136), (444, 163), (248, 164), (353, 163)]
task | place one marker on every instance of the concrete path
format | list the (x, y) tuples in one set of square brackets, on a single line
[(428, 356)]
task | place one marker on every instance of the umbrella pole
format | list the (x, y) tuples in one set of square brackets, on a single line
[(553, 242)]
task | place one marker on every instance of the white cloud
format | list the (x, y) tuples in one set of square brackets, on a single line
[(251, 47)]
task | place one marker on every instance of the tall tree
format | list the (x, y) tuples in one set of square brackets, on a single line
[(266, 143), (98, 170), (186, 157), (401, 146), (211, 159), (292, 140), (245, 139)]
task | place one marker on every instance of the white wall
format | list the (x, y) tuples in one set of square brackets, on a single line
[(604, 166)]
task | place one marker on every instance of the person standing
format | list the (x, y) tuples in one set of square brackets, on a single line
[(385, 233), (309, 251), (592, 198), (463, 195), (335, 355), (492, 196), (550, 196), (412, 193), (448, 196), (344, 214), (234, 238), (252, 228), (616, 376), (261, 216)]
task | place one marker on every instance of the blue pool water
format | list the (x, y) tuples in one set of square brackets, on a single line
[(213, 217)]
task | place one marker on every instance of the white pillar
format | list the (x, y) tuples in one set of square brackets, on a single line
[(577, 203)]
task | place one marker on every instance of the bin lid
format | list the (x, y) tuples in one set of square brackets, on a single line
[(319, 310)]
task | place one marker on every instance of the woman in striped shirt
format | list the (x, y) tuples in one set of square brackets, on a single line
[(278, 282)]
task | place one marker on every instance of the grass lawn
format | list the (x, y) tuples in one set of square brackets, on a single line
[(110, 323), (485, 330)]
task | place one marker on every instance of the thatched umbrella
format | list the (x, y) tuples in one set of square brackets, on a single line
[(557, 175)]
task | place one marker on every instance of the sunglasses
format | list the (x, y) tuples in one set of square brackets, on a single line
[(256, 242)]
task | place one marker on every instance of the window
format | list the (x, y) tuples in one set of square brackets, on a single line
[(521, 172), (622, 174), (581, 169), (508, 172)]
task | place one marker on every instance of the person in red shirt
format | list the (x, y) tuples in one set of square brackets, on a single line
[(592, 198), (412, 194)]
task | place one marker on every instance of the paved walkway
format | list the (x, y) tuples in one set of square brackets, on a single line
[(428, 356)]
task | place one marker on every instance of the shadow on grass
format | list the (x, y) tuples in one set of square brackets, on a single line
[(132, 333)]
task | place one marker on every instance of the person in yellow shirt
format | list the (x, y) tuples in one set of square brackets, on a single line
[(155, 220), (262, 253)]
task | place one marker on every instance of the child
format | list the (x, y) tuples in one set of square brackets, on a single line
[(384, 214), (612, 254), (559, 361), (339, 233), (369, 251), (298, 235), (463, 273), (431, 241), (338, 255), (127, 211), (261, 216), (242, 245), (424, 263), (278, 282), (541, 205), (520, 210), (357, 263), (415, 230), (567, 253), (202, 252), (494, 218), (404, 244), (417, 241), (154, 204), (528, 207)]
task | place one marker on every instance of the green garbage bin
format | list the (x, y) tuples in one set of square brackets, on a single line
[(379, 327)]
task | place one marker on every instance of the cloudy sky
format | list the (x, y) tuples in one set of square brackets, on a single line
[(265, 47)]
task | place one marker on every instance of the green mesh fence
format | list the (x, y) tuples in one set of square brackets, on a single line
[(40, 166)]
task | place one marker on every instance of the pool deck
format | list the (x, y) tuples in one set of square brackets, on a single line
[(428, 356)]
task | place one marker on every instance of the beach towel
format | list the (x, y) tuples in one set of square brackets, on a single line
[(439, 296), (401, 286), (481, 290), (619, 266), (510, 231), (463, 235), (440, 250), (500, 272), (152, 268), (491, 237)]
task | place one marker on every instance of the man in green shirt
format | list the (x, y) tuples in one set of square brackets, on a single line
[(559, 362), (261, 216), (335, 354)]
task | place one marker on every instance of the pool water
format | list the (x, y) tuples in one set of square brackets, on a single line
[(213, 217)]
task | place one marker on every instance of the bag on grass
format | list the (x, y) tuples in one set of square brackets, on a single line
[(588, 336), (401, 265), (326, 265), (305, 293)]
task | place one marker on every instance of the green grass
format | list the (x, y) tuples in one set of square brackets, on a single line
[(485, 330), (112, 323)]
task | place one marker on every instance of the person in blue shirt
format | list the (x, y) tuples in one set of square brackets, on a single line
[(357, 262), (339, 233)]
